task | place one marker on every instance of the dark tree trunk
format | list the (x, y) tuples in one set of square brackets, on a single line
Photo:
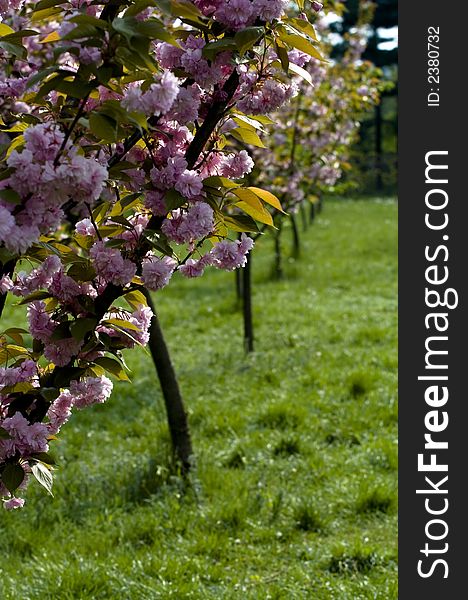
[(313, 211), (176, 413), (238, 284), (320, 204), (278, 265), (296, 240), (304, 217), (247, 304), (378, 147)]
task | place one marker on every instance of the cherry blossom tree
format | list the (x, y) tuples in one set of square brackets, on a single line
[(121, 118)]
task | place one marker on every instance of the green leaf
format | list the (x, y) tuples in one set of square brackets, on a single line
[(220, 182), (282, 53), (154, 29), (248, 137), (214, 48), (81, 327), (304, 26), (44, 457), (267, 197), (103, 127), (61, 332), (4, 435), (16, 334), (10, 196), (251, 205), (12, 477), (122, 323), (50, 394), (112, 366), (301, 72), (240, 223), (14, 49), (246, 39), (82, 271), (43, 476), (35, 296), (135, 299), (5, 29), (301, 43), (173, 199)]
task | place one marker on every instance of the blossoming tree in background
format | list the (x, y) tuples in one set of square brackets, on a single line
[(117, 117), (313, 135)]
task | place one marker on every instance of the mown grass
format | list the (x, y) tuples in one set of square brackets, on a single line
[(294, 494)]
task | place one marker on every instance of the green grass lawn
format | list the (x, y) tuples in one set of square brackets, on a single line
[(295, 490)]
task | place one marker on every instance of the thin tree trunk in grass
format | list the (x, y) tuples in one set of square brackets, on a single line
[(247, 304), (320, 204), (278, 267), (304, 217), (238, 275), (313, 211), (176, 413), (378, 148), (296, 239)]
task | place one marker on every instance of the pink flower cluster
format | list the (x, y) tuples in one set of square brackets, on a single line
[(194, 224), (45, 175), (237, 14), (157, 100), (266, 97), (110, 264), (189, 57), (156, 272), (224, 255)]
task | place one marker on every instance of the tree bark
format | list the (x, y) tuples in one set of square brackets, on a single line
[(378, 148), (176, 413), (304, 217), (278, 266), (238, 275), (313, 211), (296, 239), (247, 304)]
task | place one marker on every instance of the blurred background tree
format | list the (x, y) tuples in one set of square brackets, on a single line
[(374, 158)]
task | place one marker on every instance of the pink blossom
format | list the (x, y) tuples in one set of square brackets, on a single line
[(7, 224), (44, 141), (189, 184), (166, 177), (236, 14), (85, 227), (6, 284), (92, 390), (268, 10), (231, 255), (236, 165), (196, 268), (59, 411), (13, 375), (154, 201), (61, 352), (187, 105), (41, 325), (64, 287), (27, 438), (156, 272), (188, 226), (110, 264), (168, 55), (13, 503)]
